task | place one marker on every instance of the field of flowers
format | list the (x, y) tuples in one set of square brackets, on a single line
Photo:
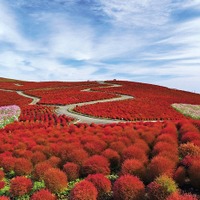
[(124, 161), (192, 111), (151, 102), (8, 114), (46, 157)]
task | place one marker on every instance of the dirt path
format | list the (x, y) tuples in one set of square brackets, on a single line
[(68, 109)]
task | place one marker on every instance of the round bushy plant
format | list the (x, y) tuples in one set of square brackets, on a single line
[(8, 163), (161, 188), (96, 164), (180, 175), (38, 157), (55, 180), (40, 169), (160, 165), (72, 170), (102, 184), (189, 149), (2, 184), (194, 174), (77, 156), (20, 185), (133, 152), (128, 187), (113, 157), (43, 195), (133, 167), (23, 167), (4, 198), (54, 161), (84, 190), (177, 196)]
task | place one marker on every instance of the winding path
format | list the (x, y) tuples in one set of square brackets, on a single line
[(69, 109)]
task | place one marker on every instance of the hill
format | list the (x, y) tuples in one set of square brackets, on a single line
[(152, 153)]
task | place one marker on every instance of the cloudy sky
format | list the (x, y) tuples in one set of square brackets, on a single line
[(148, 41)]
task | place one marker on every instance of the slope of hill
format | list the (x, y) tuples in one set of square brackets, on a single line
[(46, 156)]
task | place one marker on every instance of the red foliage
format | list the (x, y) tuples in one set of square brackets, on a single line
[(134, 152), (8, 163), (161, 188), (23, 167), (180, 175), (165, 146), (38, 157), (194, 174), (128, 187), (54, 161), (133, 167), (102, 184), (43, 195), (190, 137), (2, 184), (72, 170), (177, 196), (40, 169), (20, 185), (118, 146), (113, 157), (78, 156), (55, 180), (96, 164), (83, 190), (4, 198), (160, 165)]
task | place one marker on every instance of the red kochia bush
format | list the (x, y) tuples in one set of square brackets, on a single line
[(133, 167), (8, 163), (180, 175), (133, 152), (4, 198), (161, 188), (43, 195), (189, 149), (96, 164), (55, 180), (165, 146), (23, 167), (77, 156), (177, 196), (194, 174), (84, 190), (40, 169), (128, 187), (118, 146), (38, 157), (54, 161), (102, 184), (113, 157), (2, 184), (72, 170), (20, 185), (160, 165)]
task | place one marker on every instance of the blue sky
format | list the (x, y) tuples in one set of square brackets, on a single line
[(148, 41)]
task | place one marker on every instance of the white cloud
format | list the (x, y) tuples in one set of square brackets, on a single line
[(137, 12), (10, 32)]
